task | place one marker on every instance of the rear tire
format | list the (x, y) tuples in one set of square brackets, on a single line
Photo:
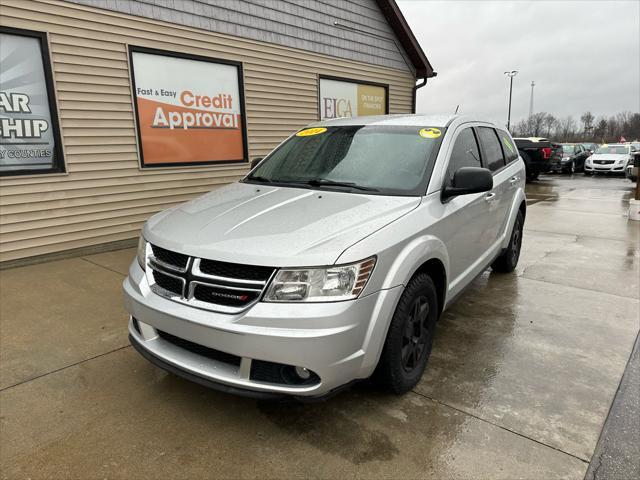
[(410, 337), (508, 259)]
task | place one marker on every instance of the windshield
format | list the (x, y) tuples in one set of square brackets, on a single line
[(568, 148), (392, 160), (613, 149)]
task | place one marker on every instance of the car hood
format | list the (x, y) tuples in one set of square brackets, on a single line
[(274, 226), (609, 156)]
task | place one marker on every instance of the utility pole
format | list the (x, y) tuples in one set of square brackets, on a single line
[(533, 84), (510, 74)]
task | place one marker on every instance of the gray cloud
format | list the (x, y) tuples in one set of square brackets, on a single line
[(583, 55)]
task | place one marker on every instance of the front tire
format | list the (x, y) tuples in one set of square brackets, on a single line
[(410, 337), (508, 260)]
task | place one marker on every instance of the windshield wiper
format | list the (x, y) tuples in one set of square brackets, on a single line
[(320, 182), (258, 178)]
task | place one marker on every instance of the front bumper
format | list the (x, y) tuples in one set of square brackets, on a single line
[(340, 341), (610, 168)]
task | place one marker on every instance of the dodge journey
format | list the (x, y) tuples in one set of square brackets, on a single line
[(332, 260)]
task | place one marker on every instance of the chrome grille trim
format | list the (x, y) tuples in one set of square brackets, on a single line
[(191, 276), (161, 291), (168, 266)]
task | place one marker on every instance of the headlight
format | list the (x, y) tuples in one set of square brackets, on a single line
[(622, 161), (329, 284), (142, 252)]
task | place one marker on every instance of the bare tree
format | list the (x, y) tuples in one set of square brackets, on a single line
[(536, 123), (587, 119), (550, 124), (600, 130), (567, 129)]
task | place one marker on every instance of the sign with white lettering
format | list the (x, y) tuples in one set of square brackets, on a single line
[(28, 127), (344, 98), (189, 109)]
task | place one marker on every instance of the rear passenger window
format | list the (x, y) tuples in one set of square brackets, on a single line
[(491, 148), (508, 147), (465, 153)]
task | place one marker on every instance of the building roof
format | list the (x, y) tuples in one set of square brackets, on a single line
[(394, 16)]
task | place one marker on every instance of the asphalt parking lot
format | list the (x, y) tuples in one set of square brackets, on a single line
[(524, 371)]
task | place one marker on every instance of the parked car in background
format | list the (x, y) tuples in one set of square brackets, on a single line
[(592, 147), (611, 158), (573, 158), (332, 259), (538, 154)]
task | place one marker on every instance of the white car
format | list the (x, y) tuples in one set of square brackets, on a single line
[(612, 158)]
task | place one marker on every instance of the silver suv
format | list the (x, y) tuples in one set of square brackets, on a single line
[(332, 260)]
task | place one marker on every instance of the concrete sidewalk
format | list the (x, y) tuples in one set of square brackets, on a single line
[(523, 373)]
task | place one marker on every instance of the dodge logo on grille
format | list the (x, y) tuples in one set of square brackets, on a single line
[(242, 298)]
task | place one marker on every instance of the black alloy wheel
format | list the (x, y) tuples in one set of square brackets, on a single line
[(415, 338), (508, 259), (409, 339)]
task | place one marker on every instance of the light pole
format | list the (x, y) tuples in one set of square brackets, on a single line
[(510, 74)]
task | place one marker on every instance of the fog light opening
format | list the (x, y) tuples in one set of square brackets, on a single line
[(303, 373)]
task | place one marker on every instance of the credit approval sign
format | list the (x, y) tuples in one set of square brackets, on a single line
[(189, 109), (346, 98)]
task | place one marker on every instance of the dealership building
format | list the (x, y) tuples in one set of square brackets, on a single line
[(112, 110)]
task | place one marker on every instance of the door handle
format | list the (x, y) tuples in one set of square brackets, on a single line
[(513, 181), (490, 197)]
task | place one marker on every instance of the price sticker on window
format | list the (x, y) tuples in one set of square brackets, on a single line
[(308, 132), (429, 133)]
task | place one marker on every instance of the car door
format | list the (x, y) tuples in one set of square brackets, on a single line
[(498, 200), (463, 218)]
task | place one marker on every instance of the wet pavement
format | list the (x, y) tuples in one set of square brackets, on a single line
[(524, 371)]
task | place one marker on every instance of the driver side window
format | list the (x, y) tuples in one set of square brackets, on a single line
[(465, 153)]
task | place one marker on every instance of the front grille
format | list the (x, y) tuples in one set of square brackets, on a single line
[(167, 282), (208, 284), (192, 347), (233, 270), (168, 257), (604, 162), (225, 296)]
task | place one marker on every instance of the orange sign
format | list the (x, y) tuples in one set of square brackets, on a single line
[(188, 111)]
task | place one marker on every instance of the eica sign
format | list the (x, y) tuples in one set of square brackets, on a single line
[(189, 109), (343, 98)]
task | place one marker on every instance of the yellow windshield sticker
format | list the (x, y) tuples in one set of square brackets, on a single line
[(311, 131), (507, 144), (430, 133)]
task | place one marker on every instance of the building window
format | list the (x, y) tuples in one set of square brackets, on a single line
[(342, 97), (189, 109), (29, 128)]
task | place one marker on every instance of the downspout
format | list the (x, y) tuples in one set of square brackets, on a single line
[(415, 91)]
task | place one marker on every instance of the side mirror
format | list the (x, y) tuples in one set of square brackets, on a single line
[(468, 180), (255, 162)]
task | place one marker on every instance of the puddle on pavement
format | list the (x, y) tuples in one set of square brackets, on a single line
[(329, 429)]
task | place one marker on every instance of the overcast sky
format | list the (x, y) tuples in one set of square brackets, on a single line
[(583, 55)]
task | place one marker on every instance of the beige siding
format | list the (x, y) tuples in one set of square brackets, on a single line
[(105, 196)]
